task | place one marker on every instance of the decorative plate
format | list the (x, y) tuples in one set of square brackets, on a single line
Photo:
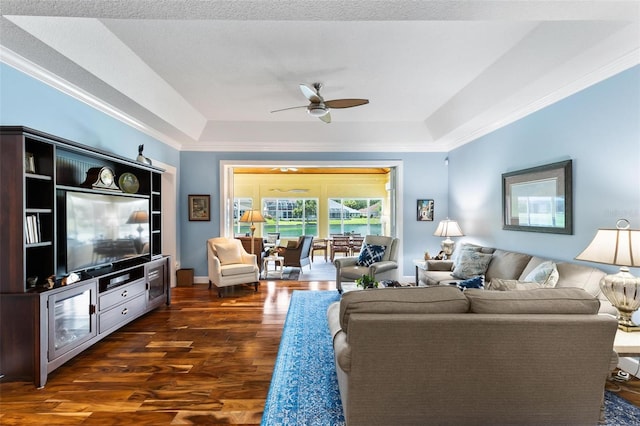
[(129, 183)]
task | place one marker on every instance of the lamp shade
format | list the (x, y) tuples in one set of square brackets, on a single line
[(448, 228), (619, 246), (253, 216), (139, 216)]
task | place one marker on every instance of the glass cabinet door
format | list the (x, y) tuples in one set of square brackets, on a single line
[(72, 318)]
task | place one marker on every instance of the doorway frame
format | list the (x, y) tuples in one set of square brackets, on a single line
[(395, 187)]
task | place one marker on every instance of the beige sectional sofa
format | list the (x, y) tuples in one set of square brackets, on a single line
[(516, 266), (437, 355)]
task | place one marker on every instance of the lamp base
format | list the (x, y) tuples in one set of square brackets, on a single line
[(447, 247), (623, 291)]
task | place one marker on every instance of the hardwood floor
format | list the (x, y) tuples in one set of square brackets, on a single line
[(202, 360)]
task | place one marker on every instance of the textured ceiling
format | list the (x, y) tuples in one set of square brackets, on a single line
[(205, 74)]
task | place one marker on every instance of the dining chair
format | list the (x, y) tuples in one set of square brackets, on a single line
[(320, 244), (340, 244), (356, 245)]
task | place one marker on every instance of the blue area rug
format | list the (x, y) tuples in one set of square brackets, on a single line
[(304, 386)]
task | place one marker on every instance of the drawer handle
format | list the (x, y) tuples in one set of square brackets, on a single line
[(124, 293), (125, 311)]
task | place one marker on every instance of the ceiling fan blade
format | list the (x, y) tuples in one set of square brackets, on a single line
[(345, 103), (326, 118), (284, 109), (311, 94)]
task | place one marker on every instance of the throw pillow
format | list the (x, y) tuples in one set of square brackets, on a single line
[(228, 253), (470, 264), (370, 254), (500, 284), (545, 274), (464, 247), (475, 282)]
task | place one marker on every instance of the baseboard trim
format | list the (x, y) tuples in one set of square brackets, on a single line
[(630, 365)]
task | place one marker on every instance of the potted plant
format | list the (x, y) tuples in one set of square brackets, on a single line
[(366, 281)]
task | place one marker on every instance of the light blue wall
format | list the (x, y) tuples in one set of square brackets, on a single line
[(25, 101), (425, 176), (599, 128)]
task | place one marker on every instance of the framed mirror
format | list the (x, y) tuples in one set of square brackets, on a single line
[(539, 199)]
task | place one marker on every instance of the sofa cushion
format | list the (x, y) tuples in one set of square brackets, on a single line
[(499, 284), (370, 254), (471, 264), (538, 301), (228, 253), (545, 274), (507, 264), (237, 269), (405, 300), (437, 278), (576, 275)]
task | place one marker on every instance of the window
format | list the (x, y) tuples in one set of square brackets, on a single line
[(355, 216), (240, 205), (291, 217)]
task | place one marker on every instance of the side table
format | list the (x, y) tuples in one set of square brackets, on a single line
[(277, 260), (419, 264), (627, 343)]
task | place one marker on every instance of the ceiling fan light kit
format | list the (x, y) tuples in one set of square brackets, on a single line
[(317, 110), (318, 107)]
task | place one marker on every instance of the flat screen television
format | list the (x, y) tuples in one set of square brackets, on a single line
[(102, 229)]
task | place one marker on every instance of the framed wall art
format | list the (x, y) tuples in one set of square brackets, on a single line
[(199, 207), (425, 210), (539, 199)]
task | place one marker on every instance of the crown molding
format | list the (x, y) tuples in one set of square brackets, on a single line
[(35, 71), (623, 63)]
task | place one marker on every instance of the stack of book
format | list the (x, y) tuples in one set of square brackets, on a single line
[(32, 229)]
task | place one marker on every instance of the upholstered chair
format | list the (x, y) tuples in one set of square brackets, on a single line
[(380, 266), (230, 264), (297, 253)]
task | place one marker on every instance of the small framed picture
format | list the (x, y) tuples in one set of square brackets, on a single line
[(199, 207), (29, 163), (425, 210)]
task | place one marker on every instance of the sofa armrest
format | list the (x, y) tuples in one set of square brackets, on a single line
[(439, 265)]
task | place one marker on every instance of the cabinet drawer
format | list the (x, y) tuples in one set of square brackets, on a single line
[(121, 314), (120, 294)]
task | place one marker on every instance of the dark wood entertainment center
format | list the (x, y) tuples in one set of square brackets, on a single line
[(45, 319)]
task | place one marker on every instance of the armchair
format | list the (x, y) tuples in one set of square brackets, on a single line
[(229, 264), (297, 253), (347, 268)]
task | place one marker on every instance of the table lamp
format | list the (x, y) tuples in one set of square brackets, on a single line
[(253, 216), (621, 247), (448, 228), (139, 217)]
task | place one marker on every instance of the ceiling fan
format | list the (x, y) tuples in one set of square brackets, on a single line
[(318, 107)]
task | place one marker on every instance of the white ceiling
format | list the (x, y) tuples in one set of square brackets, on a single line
[(205, 74)]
